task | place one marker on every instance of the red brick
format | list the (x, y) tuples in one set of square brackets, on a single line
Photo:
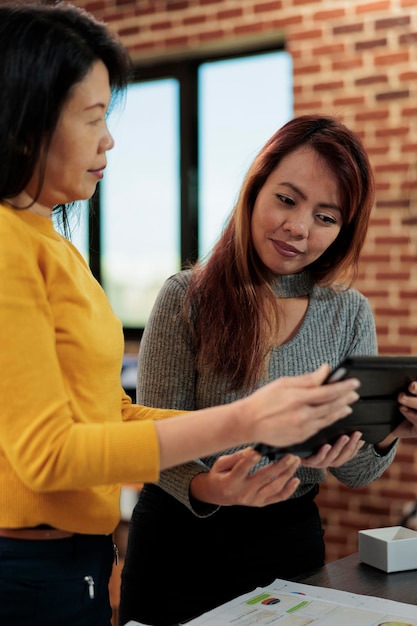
[(377, 96)]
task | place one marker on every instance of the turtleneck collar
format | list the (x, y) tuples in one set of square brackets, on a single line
[(293, 285)]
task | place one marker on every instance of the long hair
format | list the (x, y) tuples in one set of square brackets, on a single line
[(234, 307), (44, 51)]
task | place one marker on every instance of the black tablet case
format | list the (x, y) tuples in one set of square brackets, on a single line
[(375, 414)]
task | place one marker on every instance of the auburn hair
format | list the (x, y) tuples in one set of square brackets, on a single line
[(230, 303)]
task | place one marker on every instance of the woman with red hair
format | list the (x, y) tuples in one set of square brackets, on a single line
[(265, 304)]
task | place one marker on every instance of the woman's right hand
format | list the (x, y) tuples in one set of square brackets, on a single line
[(291, 409), (230, 481), (286, 411)]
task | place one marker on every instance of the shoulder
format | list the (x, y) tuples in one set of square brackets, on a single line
[(342, 295), (180, 279), (11, 225), (173, 290), (21, 241), (177, 283), (348, 305)]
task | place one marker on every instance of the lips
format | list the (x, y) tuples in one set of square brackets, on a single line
[(285, 249), (98, 172)]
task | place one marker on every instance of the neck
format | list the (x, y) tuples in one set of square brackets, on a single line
[(293, 285), (24, 201)]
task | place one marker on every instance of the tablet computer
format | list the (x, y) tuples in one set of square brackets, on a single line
[(375, 414)]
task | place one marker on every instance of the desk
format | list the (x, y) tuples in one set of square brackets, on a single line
[(350, 574)]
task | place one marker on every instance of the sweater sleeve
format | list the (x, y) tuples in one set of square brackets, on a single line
[(61, 424), (167, 378), (365, 467)]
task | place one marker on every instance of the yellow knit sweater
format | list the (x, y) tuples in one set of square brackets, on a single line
[(64, 449)]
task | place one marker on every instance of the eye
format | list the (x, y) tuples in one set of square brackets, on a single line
[(327, 219), (285, 199), (98, 121)]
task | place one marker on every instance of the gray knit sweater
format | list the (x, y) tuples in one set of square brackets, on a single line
[(337, 324)]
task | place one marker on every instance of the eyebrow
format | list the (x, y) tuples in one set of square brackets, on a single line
[(324, 205), (99, 105)]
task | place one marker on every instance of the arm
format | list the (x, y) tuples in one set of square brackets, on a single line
[(61, 422), (281, 413), (167, 376)]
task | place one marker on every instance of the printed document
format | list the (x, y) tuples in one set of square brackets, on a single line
[(284, 603)]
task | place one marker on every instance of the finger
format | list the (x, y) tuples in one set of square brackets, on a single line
[(339, 445), (281, 493), (317, 458), (407, 400), (347, 455), (318, 377), (347, 447), (281, 470), (284, 468), (228, 460), (248, 457), (345, 444), (408, 412), (311, 379), (310, 419), (412, 387), (343, 391), (288, 463), (331, 409)]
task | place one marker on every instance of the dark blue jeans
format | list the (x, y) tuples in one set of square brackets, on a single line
[(45, 582)]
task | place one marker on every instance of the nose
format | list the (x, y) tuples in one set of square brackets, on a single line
[(297, 228), (107, 141)]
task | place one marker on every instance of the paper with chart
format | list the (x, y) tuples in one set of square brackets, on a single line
[(284, 603)]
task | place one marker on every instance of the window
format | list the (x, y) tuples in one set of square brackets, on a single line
[(78, 224), (140, 217), (183, 142), (242, 102)]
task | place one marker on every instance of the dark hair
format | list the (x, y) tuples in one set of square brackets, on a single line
[(44, 51), (235, 278)]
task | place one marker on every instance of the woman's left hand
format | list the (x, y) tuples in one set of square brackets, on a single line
[(408, 407), (230, 481), (345, 448), (408, 427)]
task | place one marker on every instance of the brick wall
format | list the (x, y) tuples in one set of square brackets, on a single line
[(358, 60)]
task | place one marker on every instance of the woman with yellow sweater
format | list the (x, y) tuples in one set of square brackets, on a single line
[(69, 435)]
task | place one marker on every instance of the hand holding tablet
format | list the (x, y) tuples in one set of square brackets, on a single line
[(376, 414)]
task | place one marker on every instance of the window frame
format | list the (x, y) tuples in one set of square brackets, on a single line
[(183, 67)]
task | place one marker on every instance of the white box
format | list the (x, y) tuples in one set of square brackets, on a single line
[(391, 549)]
